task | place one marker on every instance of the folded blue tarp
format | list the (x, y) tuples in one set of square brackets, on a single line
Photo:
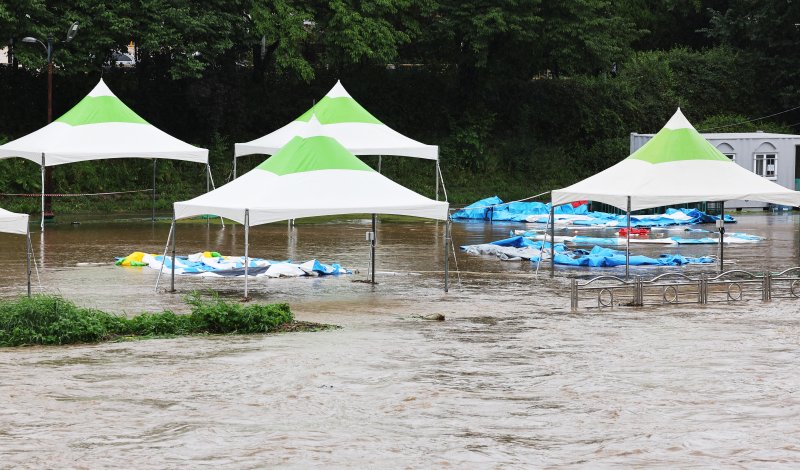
[(606, 257), (493, 208)]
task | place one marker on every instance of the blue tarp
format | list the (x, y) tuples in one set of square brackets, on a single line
[(606, 257), (493, 208)]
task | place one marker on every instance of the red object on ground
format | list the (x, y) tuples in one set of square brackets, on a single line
[(639, 232)]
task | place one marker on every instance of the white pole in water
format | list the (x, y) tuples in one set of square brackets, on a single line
[(164, 258), (447, 255), (552, 240), (373, 241), (154, 189), (174, 236), (721, 227), (28, 248), (246, 249), (628, 243), (43, 167)]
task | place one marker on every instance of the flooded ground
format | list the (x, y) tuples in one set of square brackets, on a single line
[(510, 379)]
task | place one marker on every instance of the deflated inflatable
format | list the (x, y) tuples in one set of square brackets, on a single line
[(211, 263)]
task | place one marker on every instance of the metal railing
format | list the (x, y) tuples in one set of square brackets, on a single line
[(676, 288)]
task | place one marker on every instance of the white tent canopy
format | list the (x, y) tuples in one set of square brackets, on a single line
[(349, 123), (677, 166), (11, 222), (100, 127), (313, 175)]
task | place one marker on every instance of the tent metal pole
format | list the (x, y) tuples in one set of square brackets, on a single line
[(628, 243), (721, 226), (447, 255), (246, 249), (43, 169), (208, 188), (552, 240), (154, 189), (213, 186), (438, 175), (234, 166), (28, 249), (380, 158), (373, 241), (174, 236), (164, 258)]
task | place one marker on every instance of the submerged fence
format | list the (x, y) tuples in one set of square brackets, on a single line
[(676, 288)]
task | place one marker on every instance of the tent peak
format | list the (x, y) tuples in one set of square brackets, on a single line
[(101, 89), (678, 121), (338, 91)]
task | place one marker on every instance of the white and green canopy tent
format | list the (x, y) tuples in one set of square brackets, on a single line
[(312, 175), (676, 166), (100, 127), (11, 222), (348, 122)]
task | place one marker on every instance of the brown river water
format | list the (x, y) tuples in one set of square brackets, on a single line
[(512, 378)]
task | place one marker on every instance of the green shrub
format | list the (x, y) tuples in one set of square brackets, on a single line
[(45, 319)]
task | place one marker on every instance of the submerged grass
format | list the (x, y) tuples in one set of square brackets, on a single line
[(47, 319)]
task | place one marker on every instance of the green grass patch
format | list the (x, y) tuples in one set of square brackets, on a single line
[(47, 319)]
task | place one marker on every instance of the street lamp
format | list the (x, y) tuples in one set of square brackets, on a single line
[(49, 49)]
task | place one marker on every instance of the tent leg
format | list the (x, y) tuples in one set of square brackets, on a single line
[(380, 158), (552, 240), (721, 225), (246, 250), (628, 243), (28, 249), (208, 188), (43, 169), (436, 171), (174, 236), (372, 243), (234, 167), (213, 186), (154, 189), (164, 258), (447, 255)]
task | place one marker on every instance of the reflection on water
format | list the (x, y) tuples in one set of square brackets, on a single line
[(511, 378)]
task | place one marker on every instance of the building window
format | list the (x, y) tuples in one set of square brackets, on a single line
[(766, 165), (731, 156)]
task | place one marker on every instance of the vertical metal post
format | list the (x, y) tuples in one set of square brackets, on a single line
[(246, 250), (208, 188), (628, 243), (438, 175), (552, 240), (234, 166), (372, 243), (380, 158), (573, 294), (28, 249), (174, 236), (43, 170), (154, 189), (447, 255), (721, 226), (164, 258)]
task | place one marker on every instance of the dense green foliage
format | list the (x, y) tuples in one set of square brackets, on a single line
[(45, 319), (520, 95)]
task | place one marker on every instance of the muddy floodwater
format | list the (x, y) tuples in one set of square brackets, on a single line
[(512, 378)]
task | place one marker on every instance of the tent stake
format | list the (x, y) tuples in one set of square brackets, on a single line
[(628, 243), (174, 236), (164, 258), (373, 241), (552, 240), (154, 189), (246, 249), (28, 249), (447, 255), (43, 167)]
